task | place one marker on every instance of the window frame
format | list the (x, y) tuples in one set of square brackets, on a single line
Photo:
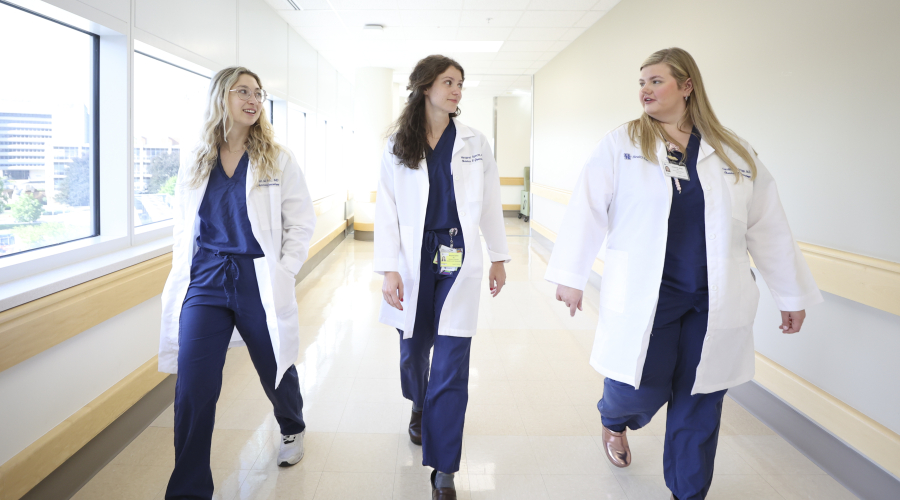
[(95, 131)]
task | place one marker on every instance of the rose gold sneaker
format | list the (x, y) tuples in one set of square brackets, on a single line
[(616, 446)]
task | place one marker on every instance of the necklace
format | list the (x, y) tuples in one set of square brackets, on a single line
[(235, 152)]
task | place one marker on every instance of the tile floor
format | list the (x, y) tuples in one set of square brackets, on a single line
[(532, 428)]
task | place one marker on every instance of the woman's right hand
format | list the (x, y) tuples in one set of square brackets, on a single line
[(392, 289), (571, 297)]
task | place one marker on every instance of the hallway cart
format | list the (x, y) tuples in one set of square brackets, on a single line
[(525, 207)]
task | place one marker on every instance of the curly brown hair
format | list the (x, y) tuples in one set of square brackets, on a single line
[(410, 138)]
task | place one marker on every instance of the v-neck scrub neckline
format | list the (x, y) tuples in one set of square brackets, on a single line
[(224, 224)]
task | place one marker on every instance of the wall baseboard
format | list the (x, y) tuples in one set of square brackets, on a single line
[(846, 465), (62, 461)]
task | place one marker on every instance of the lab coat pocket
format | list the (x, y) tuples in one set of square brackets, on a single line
[(474, 182), (614, 284), (740, 194), (284, 289)]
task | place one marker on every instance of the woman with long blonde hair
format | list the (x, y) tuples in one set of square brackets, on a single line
[(242, 224), (679, 201)]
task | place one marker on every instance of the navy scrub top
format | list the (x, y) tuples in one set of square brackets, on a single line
[(685, 266), (441, 214), (224, 225)]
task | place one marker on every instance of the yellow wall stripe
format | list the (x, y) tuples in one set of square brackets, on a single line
[(38, 325), (30, 466), (512, 181)]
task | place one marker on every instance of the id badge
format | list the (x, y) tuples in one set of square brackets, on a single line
[(450, 259), (676, 171)]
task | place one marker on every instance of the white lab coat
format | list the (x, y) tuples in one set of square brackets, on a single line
[(624, 199), (282, 219), (400, 223)]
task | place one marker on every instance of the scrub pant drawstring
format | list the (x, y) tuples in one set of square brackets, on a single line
[(232, 273)]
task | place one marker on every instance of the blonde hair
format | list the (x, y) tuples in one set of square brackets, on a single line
[(261, 145), (647, 130)]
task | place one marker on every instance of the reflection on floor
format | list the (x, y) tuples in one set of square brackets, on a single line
[(532, 427)]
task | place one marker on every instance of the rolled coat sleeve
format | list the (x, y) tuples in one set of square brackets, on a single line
[(586, 221), (298, 216), (774, 251), (387, 223), (491, 209)]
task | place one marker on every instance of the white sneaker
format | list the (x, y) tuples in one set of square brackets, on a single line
[(291, 450)]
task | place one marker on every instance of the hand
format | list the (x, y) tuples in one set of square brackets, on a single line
[(392, 289), (496, 278), (791, 321), (571, 297)]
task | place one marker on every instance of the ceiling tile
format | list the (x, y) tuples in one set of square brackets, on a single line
[(280, 4), (356, 19), (508, 71), (558, 46), (522, 81), (496, 4), (429, 4), (311, 33), (537, 34), (561, 4), (526, 46), (538, 65), (487, 34), (518, 56), (473, 57), (364, 4), (605, 4), (590, 17), (429, 17), (413, 33), (317, 18), (490, 17), (550, 19), (311, 4), (520, 65), (572, 33)]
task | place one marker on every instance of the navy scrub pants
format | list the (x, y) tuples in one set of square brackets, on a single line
[(223, 295), (692, 422), (444, 393)]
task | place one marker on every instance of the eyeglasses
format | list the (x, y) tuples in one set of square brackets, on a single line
[(245, 94)]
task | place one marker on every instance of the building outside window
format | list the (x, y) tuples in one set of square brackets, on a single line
[(48, 116), (169, 102)]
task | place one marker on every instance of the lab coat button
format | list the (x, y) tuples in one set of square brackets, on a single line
[(714, 288), (462, 214), (712, 236)]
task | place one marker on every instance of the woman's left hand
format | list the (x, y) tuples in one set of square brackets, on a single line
[(496, 278), (791, 321)]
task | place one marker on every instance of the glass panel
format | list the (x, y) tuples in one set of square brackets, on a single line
[(46, 133), (168, 114)]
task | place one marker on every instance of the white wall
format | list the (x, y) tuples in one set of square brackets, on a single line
[(808, 83), (513, 143), (42, 391)]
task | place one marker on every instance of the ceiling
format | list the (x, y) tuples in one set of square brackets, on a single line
[(532, 32)]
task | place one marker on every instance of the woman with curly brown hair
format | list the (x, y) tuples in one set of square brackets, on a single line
[(439, 184)]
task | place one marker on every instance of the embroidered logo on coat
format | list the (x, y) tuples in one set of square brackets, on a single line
[(629, 156)]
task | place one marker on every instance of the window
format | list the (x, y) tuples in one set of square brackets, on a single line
[(169, 102), (48, 123)]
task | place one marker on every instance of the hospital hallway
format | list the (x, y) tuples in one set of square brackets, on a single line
[(532, 429)]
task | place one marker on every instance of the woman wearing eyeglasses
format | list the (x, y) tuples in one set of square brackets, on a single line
[(243, 219)]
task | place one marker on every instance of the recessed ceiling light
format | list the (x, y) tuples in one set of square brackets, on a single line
[(373, 27)]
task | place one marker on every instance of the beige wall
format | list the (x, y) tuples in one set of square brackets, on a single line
[(811, 85)]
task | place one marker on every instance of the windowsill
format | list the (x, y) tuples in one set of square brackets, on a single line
[(90, 258)]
